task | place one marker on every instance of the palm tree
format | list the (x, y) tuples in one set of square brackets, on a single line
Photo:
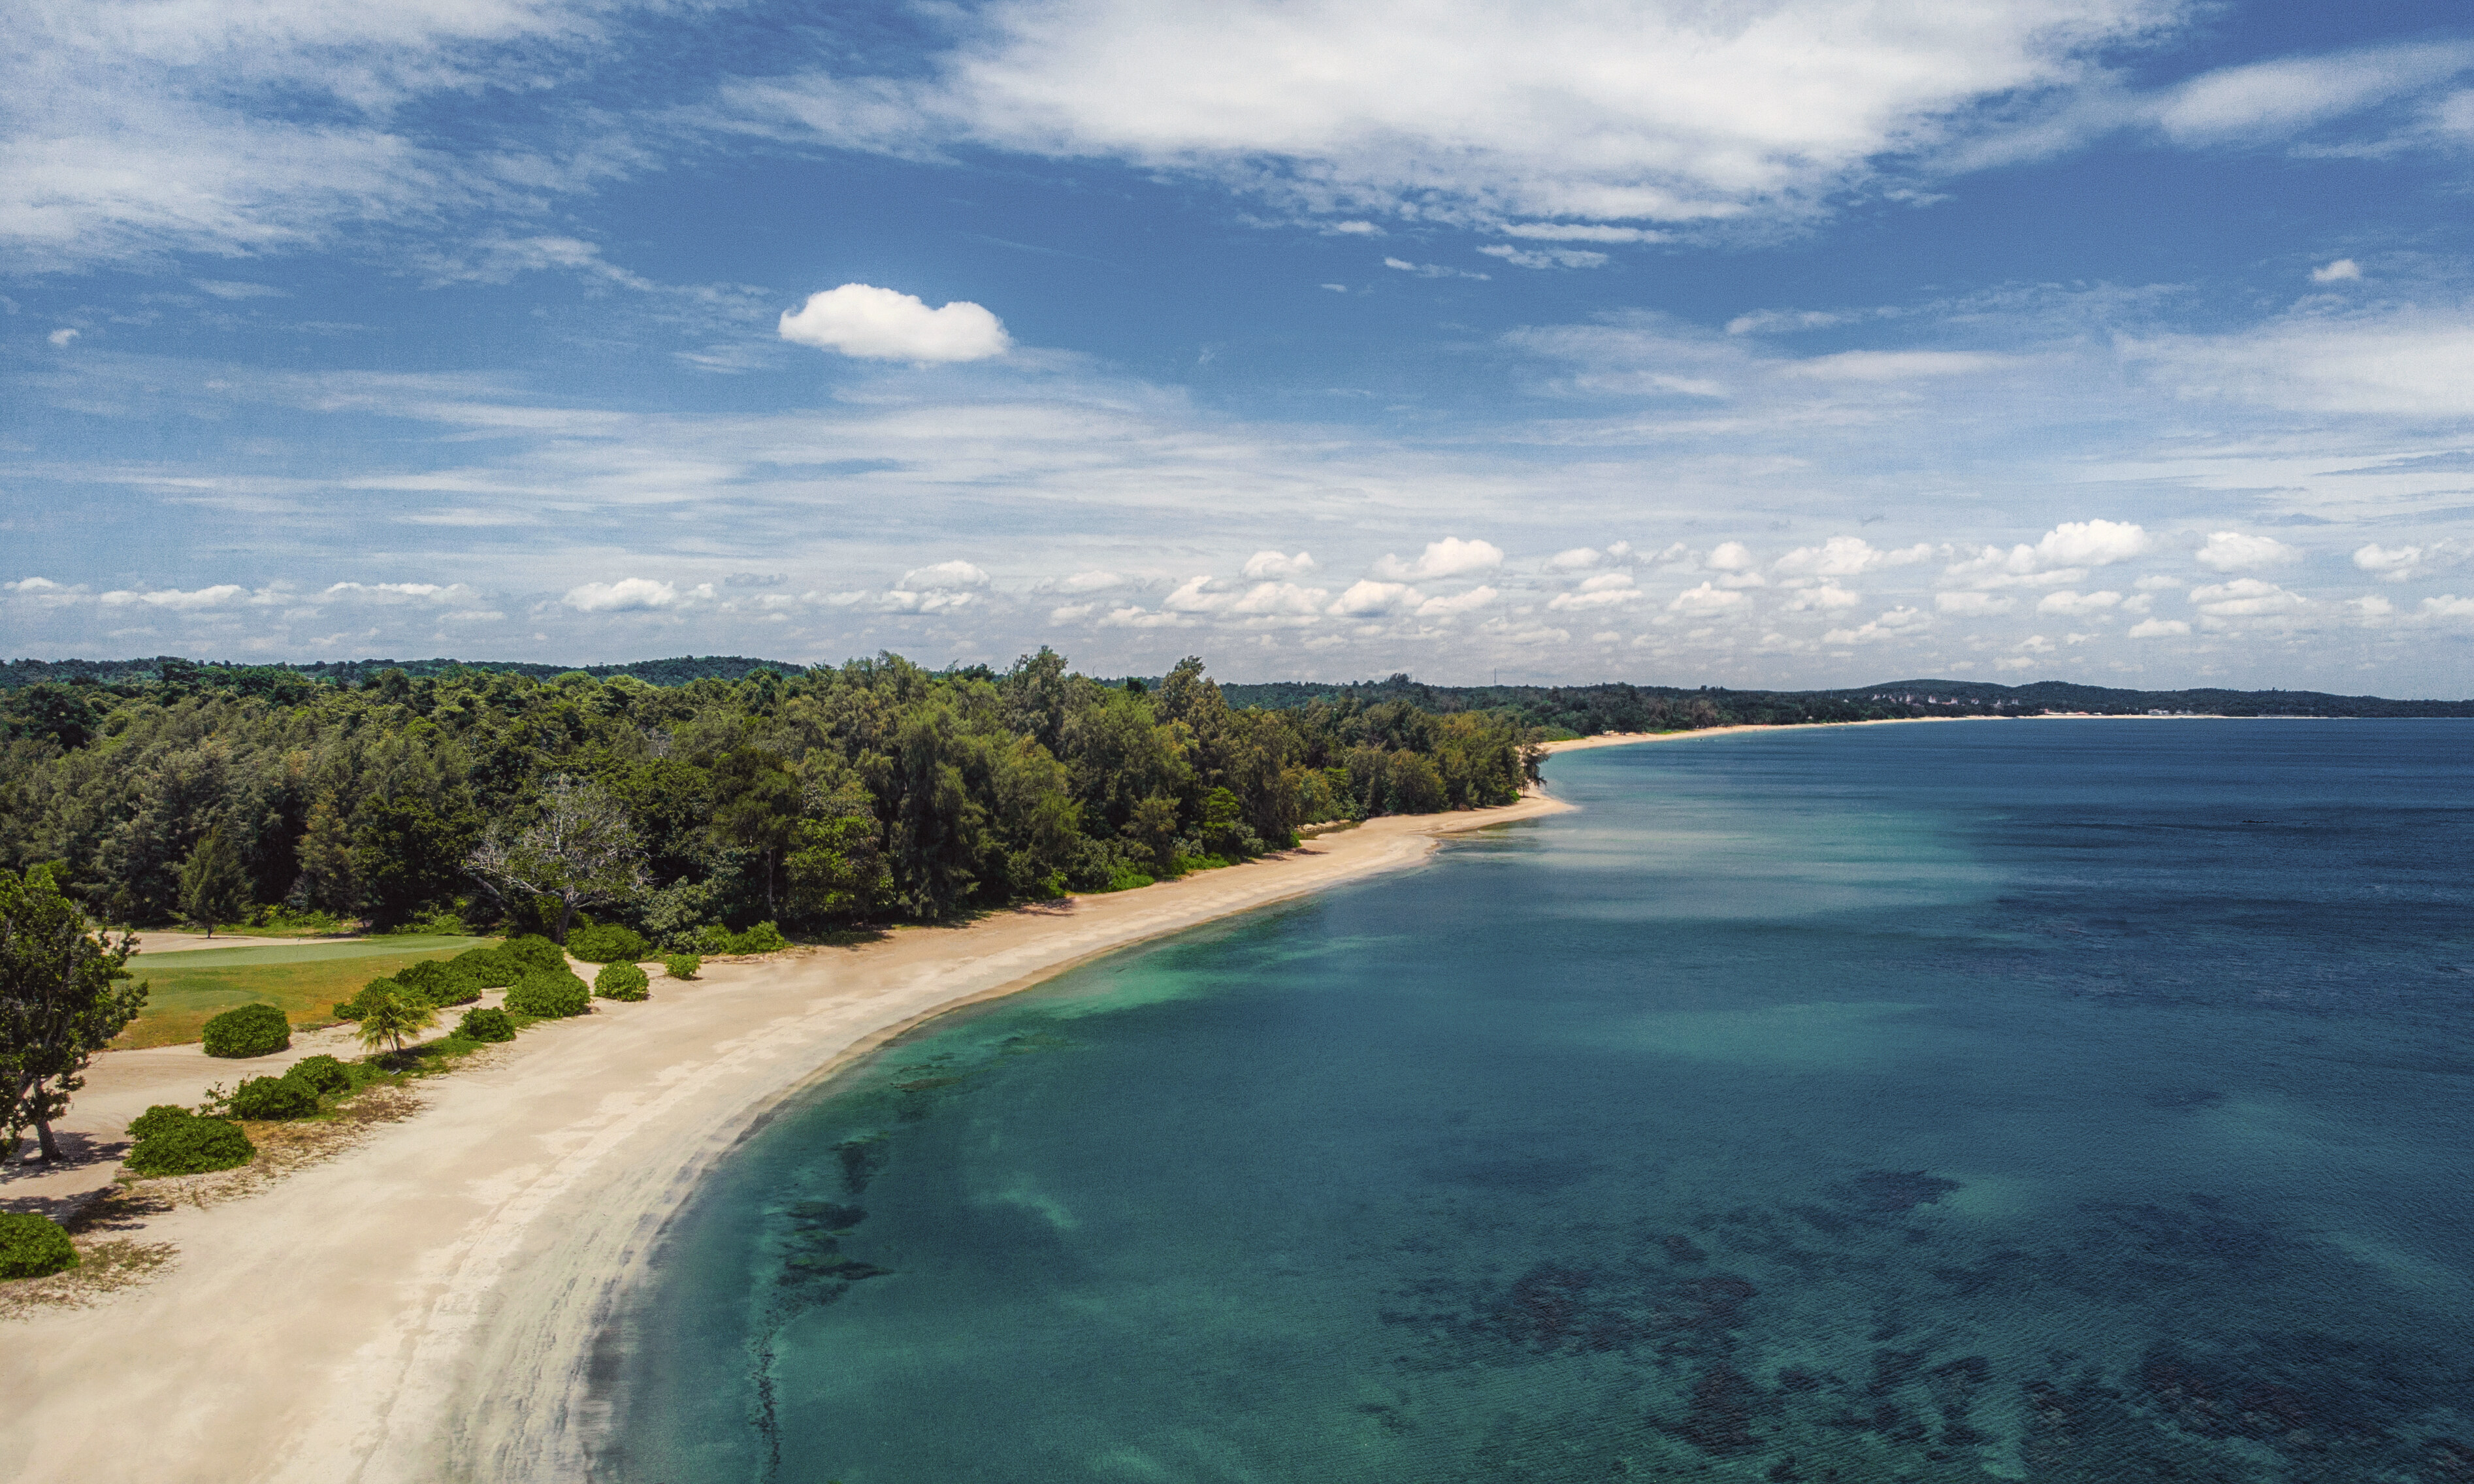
[(388, 1018)]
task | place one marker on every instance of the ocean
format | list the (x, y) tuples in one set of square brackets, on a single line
[(2054, 1100)]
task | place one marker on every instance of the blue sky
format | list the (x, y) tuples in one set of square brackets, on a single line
[(1803, 343)]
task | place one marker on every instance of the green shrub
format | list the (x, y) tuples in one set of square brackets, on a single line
[(682, 965), (491, 969), (621, 982), (549, 996), (763, 938), (324, 1073), (535, 952), (439, 982), (608, 944), (249, 1030), (350, 1010), (155, 1119), (32, 1246), (273, 1098), (486, 1025), (189, 1145)]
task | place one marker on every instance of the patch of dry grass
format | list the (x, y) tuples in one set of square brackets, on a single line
[(106, 1266)]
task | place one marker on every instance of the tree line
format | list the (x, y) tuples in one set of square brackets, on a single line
[(872, 791)]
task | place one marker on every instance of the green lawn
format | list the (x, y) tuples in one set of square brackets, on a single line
[(186, 989)]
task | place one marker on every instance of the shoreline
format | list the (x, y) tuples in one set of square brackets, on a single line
[(423, 1304)]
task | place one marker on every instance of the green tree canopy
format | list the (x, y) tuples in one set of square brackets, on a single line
[(62, 1000)]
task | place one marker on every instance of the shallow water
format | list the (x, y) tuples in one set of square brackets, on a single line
[(2052, 1101)]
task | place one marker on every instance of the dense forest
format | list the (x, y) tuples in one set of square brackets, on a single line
[(811, 799)]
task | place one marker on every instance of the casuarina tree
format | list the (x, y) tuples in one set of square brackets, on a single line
[(60, 1001), (579, 849), (213, 888)]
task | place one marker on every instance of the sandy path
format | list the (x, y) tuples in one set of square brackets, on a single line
[(421, 1308)]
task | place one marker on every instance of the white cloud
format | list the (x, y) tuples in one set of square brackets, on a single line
[(2402, 363), (1545, 257), (221, 594), (1071, 613), (1445, 607), (2245, 597), (1891, 365), (1971, 604), (1576, 559), (2233, 552), (882, 323), (1579, 231), (1275, 564), (2063, 554), (1433, 269), (1093, 581), (1896, 624), (1846, 556), (2342, 271), (1369, 599), (631, 595), (2371, 607), (2407, 563), (2158, 628), (1605, 590), (1707, 598), (2078, 604), (944, 576), (1828, 598), (2447, 606), (1448, 558), (1652, 110), (59, 338), (2274, 100)]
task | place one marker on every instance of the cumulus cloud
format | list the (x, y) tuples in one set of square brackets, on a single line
[(1545, 257), (2405, 563), (1434, 270), (2074, 605), (2233, 552), (1275, 564), (1605, 590), (59, 338), (2245, 597), (1896, 624), (631, 595), (1846, 556), (1972, 604), (1449, 557), (882, 323), (944, 576), (1371, 599), (1706, 600), (1445, 607), (2061, 555), (2342, 270), (221, 594), (2158, 628), (1828, 598)]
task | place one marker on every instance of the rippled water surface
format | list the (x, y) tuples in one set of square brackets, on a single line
[(2051, 1100)]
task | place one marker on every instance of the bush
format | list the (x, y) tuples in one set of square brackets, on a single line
[(621, 982), (32, 1246), (682, 965), (188, 1145), (608, 944), (440, 982), (535, 952), (273, 1098), (350, 1010), (549, 996), (486, 1025), (491, 969), (249, 1030), (763, 938), (322, 1073), (155, 1119)]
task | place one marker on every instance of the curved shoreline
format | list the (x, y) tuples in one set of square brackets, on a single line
[(423, 1305)]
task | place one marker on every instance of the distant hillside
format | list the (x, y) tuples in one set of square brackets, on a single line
[(1579, 710), (1587, 710)]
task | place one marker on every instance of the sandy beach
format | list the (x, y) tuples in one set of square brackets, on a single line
[(421, 1307)]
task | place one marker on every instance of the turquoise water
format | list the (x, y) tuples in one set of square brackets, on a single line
[(2050, 1101)]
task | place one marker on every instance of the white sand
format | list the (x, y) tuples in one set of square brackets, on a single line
[(421, 1307)]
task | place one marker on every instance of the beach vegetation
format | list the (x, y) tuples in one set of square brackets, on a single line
[(440, 982), (273, 1098), (532, 953), (621, 982), (716, 942), (491, 969), (248, 1030), (390, 1015), (486, 1024), (608, 943), (682, 965), (33, 1245), (322, 1073), (547, 996), (175, 1141), (63, 995), (535, 804)]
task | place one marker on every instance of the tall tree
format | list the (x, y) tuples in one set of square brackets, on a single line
[(213, 888), (60, 1001), (579, 849), (757, 803)]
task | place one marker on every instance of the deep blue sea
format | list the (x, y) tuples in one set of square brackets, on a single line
[(2034, 1100)]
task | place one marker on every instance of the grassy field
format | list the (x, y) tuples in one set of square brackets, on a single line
[(186, 989)]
